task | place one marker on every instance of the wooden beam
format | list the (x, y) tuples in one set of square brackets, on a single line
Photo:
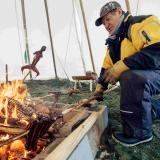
[(128, 6)]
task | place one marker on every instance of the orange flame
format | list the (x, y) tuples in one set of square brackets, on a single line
[(16, 90)]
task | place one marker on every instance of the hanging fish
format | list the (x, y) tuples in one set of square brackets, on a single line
[(36, 58)]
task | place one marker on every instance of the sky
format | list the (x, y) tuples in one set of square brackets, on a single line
[(66, 48)]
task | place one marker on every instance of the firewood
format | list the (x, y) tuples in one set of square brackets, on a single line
[(14, 138), (13, 122), (27, 111), (11, 130)]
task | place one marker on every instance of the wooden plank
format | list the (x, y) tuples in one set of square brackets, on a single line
[(48, 149), (83, 78), (96, 131), (71, 142)]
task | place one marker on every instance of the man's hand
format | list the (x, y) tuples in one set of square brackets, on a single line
[(98, 96), (110, 76)]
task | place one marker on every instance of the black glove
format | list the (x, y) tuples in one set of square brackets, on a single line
[(98, 96)]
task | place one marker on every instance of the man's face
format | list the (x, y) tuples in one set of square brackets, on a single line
[(111, 20)]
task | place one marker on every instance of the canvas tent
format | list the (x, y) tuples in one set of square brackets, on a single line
[(67, 51)]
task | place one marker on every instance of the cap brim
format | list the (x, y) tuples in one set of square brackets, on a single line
[(98, 21)]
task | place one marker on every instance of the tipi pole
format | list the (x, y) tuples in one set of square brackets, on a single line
[(87, 34), (25, 32), (50, 35), (128, 6)]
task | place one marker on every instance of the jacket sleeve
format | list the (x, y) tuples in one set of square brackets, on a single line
[(107, 63), (149, 55)]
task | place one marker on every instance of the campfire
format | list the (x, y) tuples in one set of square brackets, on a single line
[(24, 126)]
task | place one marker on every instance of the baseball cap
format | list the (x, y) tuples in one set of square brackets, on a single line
[(108, 7)]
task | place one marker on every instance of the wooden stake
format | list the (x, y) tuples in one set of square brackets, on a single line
[(26, 75), (128, 6), (6, 73)]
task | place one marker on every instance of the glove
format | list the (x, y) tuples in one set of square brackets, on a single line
[(112, 74), (111, 77), (98, 96)]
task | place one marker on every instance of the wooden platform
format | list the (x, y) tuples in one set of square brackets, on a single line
[(87, 78), (82, 142)]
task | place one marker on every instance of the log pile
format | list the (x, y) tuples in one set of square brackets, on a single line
[(39, 121)]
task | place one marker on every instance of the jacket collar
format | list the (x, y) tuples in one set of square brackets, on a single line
[(123, 29)]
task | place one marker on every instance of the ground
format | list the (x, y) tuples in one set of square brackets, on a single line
[(109, 150)]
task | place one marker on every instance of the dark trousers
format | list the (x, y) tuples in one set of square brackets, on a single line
[(137, 90)]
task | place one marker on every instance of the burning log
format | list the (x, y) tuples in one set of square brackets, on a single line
[(13, 122), (14, 138), (11, 130), (26, 110), (39, 127)]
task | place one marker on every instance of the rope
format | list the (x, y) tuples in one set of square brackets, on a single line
[(79, 43), (15, 6), (63, 68), (137, 7), (69, 35)]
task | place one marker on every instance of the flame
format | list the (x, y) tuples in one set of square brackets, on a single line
[(5, 137), (16, 90), (3, 152), (17, 150)]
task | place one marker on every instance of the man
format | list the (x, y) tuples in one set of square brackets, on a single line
[(36, 58), (133, 58)]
